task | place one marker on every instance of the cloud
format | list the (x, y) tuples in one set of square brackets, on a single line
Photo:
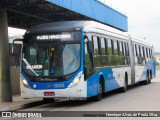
[(143, 18)]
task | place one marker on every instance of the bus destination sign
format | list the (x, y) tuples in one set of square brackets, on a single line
[(54, 37)]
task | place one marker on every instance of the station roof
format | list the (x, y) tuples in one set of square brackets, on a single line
[(27, 13)]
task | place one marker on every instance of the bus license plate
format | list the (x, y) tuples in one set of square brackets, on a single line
[(49, 93)]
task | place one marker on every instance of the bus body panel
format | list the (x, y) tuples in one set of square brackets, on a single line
[(113, 79), (141, 71), (77, 91)]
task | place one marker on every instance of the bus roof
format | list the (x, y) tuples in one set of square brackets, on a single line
[(70, 25), (87, 26), (141, 41), (59, 26)]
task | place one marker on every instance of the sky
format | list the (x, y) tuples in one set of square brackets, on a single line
[(143, 19)]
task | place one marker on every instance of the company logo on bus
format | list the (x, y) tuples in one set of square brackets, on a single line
[(48, 80), (48, 86)]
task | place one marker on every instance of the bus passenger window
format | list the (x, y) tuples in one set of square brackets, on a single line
[(116, 53), (140, 54), (97, 57), (104, 52), (136, 50), (127, 53), (110, 47), (152, 53), (110, 52), (127, 49), (86, 58), (115, 48), (123, 52), (143, 52), (103, 46), (88, 69), (124, 48), (147, 52), (120, 49)]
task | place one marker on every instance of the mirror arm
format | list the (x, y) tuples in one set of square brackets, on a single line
[(15, 40), (13, 44)]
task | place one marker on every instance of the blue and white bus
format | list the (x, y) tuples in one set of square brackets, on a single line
[(82, 59)]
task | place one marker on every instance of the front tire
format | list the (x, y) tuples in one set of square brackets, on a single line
[(99, 96), (124, 88), (147, 81), (150, 78)]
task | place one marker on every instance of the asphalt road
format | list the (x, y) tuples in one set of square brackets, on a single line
[(137, 98)]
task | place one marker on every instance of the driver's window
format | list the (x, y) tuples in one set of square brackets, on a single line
[(87, 58)]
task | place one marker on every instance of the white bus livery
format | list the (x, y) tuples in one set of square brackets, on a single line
[(82, 59)]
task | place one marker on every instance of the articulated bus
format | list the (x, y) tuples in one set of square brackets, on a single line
[(82, 59)]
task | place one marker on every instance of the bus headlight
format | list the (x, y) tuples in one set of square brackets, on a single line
[(76, 80), (25, 83)]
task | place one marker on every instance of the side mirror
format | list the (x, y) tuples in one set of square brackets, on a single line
[(12, 47), (90, 47)]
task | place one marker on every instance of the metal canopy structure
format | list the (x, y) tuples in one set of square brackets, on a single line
[(95, 10), (27, 13)]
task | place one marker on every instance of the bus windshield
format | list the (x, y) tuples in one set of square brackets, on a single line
[(51, 58)]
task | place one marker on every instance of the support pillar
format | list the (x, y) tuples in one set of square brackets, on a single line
[(5, 83)]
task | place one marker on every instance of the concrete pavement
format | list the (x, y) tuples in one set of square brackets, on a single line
[(19, 103)]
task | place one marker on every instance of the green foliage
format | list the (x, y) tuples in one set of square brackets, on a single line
[(97, 60), (87, 60)]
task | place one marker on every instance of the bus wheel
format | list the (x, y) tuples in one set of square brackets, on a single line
[(146, 82), (124, 88), (99, 96), (150, 77)]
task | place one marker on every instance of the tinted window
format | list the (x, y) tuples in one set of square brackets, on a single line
[(140, 54), (103, 46), (143, 51), (147, 52), (125, 49), (96, 47), (137, 50), (120, 48), (110, 47), (115, 48)]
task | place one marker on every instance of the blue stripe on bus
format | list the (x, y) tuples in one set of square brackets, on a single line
[(110, 82), (149, 66)]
